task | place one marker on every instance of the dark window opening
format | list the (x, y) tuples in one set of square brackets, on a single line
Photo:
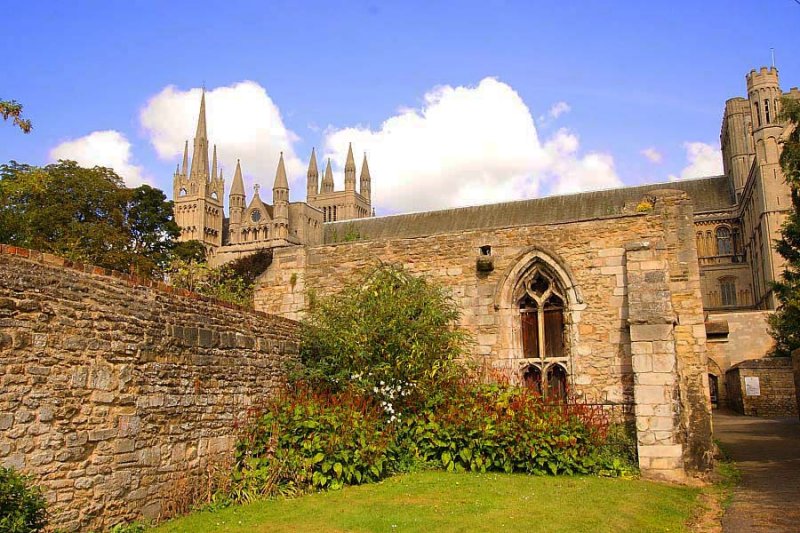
[(728, 292), (724, 244), (766, 110), (486, 250), (532, 379), (556, 383), (713, 385)]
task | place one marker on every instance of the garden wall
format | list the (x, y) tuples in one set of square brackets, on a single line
[(118, 394), (763, 387)]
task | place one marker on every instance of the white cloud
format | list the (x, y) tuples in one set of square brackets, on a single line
[(558, 109), (108, 148), (243, 122), (703, 160), (555, 111), (652, 155), (466, 146)]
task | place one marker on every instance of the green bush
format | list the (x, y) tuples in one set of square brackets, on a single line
[(484, 428), (22, 507), (314, 440), (389, 334)]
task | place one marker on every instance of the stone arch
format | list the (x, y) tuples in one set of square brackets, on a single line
[(509, 348)]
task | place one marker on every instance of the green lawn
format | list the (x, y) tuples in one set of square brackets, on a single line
[(436, 501)]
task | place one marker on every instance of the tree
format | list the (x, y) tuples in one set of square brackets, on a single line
[(13, 110), (785, 323), (388, 329), (87, 215)]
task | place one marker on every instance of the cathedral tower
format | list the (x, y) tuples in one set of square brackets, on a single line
[(350, 170), (312, 177), (236, 204), (366, 181), (198, 193)]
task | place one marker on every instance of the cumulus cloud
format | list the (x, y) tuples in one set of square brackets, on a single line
[(108, 148), (652, 155), (243, 122), (703, 160), (466, 146)]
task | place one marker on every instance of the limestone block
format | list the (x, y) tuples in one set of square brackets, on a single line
[(651, 332)]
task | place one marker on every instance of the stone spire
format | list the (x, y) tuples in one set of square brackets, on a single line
[(200, 154), (327, 180), (185, 167), (214, 165), (366, 179), (280, 176), (350, 170), (312, 184), (280, 202), (237, 189)]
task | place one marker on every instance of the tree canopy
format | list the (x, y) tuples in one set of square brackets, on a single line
[(86, 214), (785, 323)]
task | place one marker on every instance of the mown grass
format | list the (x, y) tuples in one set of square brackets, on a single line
[(439, 501)]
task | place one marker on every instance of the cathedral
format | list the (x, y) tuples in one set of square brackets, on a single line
[(199, 189)]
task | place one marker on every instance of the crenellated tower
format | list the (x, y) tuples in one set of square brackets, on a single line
[(198, 193), (340, 205)]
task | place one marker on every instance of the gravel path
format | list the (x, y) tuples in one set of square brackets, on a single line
[(767, 453)]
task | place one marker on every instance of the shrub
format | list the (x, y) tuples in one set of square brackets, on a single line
[(22, 507), (313, 440), (385, 333), (484, 428)]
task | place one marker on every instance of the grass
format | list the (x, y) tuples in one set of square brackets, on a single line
[(439, 501)]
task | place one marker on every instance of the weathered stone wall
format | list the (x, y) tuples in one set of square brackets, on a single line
[(747, 338), (588, 256), (776, 388), (115, 393), (796, 372)]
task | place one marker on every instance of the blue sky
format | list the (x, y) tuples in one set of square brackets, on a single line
[(633, 75)]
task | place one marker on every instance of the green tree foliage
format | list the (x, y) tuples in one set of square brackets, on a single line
[(387, 332), (11, 109), (22, 507), (785, 323), (233, 282), (86, 214)]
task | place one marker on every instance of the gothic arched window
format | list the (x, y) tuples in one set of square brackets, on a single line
[(724, 243), (541, 309)]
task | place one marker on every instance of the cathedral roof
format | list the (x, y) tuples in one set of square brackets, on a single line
[(708, 194)]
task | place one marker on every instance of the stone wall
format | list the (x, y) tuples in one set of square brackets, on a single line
[(771, 390), (590, 259), (747, 338), (796, 372), (116, 394)]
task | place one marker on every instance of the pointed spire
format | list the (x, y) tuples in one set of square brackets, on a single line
[(350, 170), (280, 176), (365, 169), (200, 153), (327, 180), (237, 189), (201, 132), (185, 167), (366, 179), (312, 181), (312, 165), (214, 164)]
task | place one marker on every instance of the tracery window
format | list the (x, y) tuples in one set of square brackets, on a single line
[(541, 308), (724, 243), (727, 289)]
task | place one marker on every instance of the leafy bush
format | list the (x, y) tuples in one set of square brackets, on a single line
[(317, 440), (484, 428), (22, 507), (389, 330)]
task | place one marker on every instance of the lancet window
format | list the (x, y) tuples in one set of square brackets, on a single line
[(541, 309)]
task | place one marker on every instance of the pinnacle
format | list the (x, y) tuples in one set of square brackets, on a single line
[(280, 176), (237, 188), (312, 165)]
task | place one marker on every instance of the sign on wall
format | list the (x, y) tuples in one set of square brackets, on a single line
[(752, 387)]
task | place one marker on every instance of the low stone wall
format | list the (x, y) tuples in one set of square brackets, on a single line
[(763, 387), (796, 372), (747, 338), (116, 393)]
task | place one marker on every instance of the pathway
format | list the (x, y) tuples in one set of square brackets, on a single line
[(767, 453)]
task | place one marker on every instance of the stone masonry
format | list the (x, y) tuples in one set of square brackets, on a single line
[(116, 394), (606, 303)]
